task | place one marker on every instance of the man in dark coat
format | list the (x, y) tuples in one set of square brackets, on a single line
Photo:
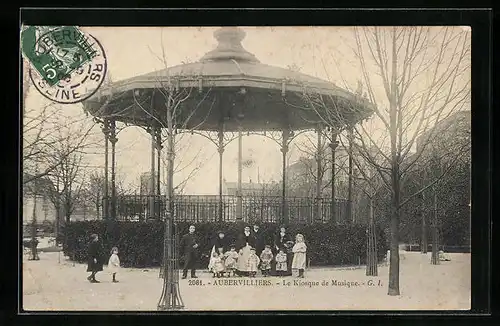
[(95, 260), (189, 249), (245, 238), (259, 239)]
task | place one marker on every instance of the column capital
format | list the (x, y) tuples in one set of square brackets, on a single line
[(333, 145), (284, 149), (105, 130), (220, 150)]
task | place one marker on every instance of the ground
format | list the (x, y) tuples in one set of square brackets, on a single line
[(55, 283)]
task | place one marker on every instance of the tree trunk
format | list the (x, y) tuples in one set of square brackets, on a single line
[(97, 207), (319, 176), (67, 212), (221, 153), (435, 236), (58, 222), (349, 187), (394, 246), (423, 245), (371, 254), (34, 240), (239, 199)]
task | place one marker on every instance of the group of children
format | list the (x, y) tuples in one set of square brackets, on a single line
[(227, 263)]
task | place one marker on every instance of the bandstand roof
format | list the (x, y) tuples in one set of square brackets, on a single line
[(229, 87)]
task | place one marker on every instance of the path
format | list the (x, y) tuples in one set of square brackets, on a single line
[(52, 285)]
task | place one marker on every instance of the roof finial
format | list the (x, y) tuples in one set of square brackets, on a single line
[(229, 46)]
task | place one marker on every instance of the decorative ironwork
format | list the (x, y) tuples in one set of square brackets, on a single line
[(198, 209)]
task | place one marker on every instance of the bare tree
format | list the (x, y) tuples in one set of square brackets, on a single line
[(174, 115), (303, 178), (308, 170), (442, 155), (94, 190), (67, 177), (41, 126), (414, 77), (182, 165), (41, 139)]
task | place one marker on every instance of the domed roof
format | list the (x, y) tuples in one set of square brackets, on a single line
[(274, 96), (229, 61)]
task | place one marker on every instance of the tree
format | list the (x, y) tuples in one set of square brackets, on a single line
[(309, 172), (173, 115), (414, 77), (68, 181), (41, 126), (444, 159), (181, 164), (66, 166)]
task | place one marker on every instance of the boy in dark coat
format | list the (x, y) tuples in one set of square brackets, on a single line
[(259, 239), (94, 263), (189, 248)]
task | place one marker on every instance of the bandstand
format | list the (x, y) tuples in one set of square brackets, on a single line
[(227, 94)]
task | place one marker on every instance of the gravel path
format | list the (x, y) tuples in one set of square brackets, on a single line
[(50, 284)]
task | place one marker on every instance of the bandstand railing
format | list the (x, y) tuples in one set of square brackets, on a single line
[(196, 209)]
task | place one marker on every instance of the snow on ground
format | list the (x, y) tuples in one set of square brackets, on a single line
[(55, 283)]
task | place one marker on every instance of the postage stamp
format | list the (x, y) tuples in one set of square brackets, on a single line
[(66, 65)]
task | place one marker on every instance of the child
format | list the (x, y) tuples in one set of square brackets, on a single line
[(253, 262), (231, 260), (218, 266), (281, 267), (114, 263), (299, 255), (265, 257), (220, 252), (443, 256)]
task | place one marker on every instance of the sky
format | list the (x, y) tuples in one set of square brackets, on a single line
[(132, 51)]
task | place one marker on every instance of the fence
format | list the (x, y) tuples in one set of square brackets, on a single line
[(196, 209)]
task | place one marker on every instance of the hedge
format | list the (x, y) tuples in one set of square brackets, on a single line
[(141, 243)]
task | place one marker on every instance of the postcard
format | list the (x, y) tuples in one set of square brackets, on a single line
[(277, 168)]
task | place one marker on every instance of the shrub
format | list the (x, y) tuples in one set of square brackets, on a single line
[(141, 243)]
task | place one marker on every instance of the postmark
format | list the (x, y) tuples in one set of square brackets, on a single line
[(66, 65)]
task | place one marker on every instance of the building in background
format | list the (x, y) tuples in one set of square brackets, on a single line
[(41, 189), (251, 188)]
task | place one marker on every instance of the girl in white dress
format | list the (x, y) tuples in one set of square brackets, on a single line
[(231, 261), (114, 263), (299, 255), (218, 267)]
